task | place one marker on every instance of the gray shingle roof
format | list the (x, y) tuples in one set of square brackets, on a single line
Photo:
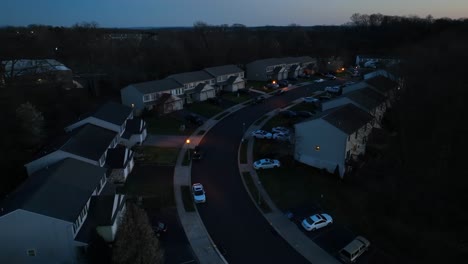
[(268, 62), (61, 191), (89, 141), (223, 70), (113, 112), (382, 83), (348, 118), (366, 97), (188, 77), (157, 86)]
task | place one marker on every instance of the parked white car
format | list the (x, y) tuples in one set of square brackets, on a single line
[(310, 100), (266, 164), (319, 80), (198, 193), (280, 129), (317, 221), (333, 89), (281, 136), (261, 134)]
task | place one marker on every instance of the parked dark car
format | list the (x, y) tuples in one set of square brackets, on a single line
[(159, 229), (288, 113), (194, 119), (197, 153), (259, 99), (283, 83), (304, 114)]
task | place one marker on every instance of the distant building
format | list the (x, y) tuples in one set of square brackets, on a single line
[(376, 61), (227, 77), (279, 68), (38, 71)]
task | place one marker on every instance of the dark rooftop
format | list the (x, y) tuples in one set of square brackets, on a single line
[(156, 86), (382, 83), (60, 191), (188, 77), (366, 97), (223, 70), (348, 118), (133, 127), (113, 112), (89, 141)]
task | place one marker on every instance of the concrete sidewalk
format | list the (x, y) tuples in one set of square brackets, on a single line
[(200, 241), (285, 228)]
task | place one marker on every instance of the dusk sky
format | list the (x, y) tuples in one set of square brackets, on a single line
[(164, 13)]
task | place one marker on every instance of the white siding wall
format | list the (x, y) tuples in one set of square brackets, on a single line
[(332, 143), (51, 238)]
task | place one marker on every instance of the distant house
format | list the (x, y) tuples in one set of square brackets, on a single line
[(366, 98), (115, 117), (385, 86), (51, 216), (88, 143), (38, 71), (191, 82), (266, 70), (372, 61), (279, 68), (164, 95), (200, 93), (227, 78), (333, 140)]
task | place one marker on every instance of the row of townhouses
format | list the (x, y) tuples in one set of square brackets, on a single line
[(335, 139), (170, 94), (70, 192)]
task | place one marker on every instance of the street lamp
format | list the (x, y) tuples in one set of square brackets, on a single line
[(187, 141)]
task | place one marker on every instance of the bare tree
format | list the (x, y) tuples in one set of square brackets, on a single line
[(136, 242)]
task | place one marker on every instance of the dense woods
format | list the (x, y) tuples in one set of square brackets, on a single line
[(418, 183)]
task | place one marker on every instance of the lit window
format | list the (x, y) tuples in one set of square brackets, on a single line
[(31, 252), (317, 148)]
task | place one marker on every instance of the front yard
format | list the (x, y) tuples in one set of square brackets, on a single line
[(169, 124), (205, 109), (156, 155)]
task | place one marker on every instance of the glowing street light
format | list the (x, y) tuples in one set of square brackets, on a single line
[(187, 141)]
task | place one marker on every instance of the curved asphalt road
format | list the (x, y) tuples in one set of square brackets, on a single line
[(231, 218)]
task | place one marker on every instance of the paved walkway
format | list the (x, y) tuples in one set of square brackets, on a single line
[(201, 242)]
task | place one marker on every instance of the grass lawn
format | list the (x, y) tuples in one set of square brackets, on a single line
[(254, 192), (205, 109), (303, 186), (234, 98), (259, 121), (167, 125), (157, 155), (153, 183), (186, 160), (187, 198), (243, 151)]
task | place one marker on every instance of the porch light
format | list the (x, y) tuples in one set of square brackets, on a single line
[(133, 105), (317, 148), (274, 82)]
